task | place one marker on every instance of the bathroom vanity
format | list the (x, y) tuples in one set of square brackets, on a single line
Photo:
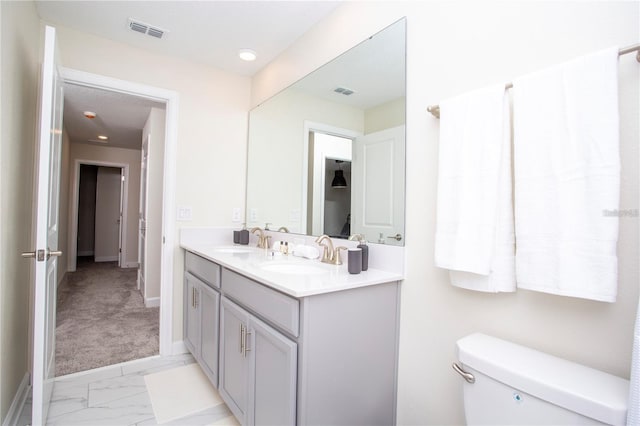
[(293, 341)]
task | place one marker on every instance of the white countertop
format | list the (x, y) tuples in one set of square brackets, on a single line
[(324, 279)]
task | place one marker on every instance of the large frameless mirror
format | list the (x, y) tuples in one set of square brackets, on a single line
[(327, 154)]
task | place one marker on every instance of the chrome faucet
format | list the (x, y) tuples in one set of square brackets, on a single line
[(329, 254), (263, 240)]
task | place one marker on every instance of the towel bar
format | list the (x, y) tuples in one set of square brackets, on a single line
[(435, 109)]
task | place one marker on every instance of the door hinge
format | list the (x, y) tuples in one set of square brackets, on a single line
[(163, 240)]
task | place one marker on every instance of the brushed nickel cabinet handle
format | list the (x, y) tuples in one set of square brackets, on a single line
[(242, 338)]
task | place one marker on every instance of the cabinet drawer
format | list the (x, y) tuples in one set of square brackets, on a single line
[(282, 311), (202, 268)]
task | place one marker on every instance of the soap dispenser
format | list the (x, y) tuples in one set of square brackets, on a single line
[(362, 244), (244, 235), (365, 253)]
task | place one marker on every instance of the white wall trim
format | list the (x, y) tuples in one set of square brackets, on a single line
[(152, 302), (106, 259), (171, 99), (130, 265), (72, 244), (15, 409), (179, 348)]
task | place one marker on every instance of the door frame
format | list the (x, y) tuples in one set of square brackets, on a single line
[(312, 126), (72, 244), (171, 99)]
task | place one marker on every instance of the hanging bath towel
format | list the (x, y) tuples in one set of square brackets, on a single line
[(474, 228), (633, 412), (567, 178)]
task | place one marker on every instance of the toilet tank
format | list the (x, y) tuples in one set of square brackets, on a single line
[(516, 385)]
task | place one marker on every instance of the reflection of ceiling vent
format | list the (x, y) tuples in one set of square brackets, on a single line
[(143, 28), (344, 91)]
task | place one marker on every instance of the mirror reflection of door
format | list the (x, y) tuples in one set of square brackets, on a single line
[(378, 193), (337, 198), (329, 206)]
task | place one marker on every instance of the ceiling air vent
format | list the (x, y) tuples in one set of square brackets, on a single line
[(344, 91), (155, 32), (143, 28)]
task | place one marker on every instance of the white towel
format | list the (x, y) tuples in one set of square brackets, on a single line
[(567, 177), (633, 411), (474, 229)]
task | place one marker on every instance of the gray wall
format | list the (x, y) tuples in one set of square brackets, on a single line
[(87, 209)]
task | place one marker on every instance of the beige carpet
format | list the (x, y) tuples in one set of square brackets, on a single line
[(101, 319), (180, 392)]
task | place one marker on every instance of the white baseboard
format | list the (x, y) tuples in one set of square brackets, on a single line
[(152, 302), (106, 259), (130, 265), (179, 348), (13, 415)]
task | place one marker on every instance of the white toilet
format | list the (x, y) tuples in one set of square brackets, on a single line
[(515, 385)]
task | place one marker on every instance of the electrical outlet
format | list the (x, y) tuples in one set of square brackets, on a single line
[(235, 215), (253, 215), (185, 213)]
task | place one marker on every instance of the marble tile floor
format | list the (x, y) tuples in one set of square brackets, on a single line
[(117, 396)]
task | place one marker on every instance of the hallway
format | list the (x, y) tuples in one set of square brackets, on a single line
[(101, 319)]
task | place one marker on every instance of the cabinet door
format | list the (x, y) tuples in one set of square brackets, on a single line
[(209, 314), (192, 314), (233, 358), (273, 375)]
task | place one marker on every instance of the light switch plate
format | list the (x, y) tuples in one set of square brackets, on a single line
[(253, 215), (185, 213), (235, 215)]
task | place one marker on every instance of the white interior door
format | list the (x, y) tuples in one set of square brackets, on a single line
[(107, 226), (142, 228), (46, 230), (120, 220), (377, 197)]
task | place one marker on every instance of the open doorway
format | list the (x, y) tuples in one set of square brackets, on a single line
[(100, 206), (103, 317), (329, 181)]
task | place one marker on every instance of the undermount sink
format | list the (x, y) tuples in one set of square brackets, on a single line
[(293, 268), (233, 249)]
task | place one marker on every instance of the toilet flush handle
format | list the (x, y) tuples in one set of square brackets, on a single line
[(467, 376)]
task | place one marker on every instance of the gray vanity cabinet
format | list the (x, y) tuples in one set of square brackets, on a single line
[(234, 366), (201, 313), (323, 359), (258, 369)]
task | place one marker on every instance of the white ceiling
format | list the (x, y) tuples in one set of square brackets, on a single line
[(121, 117), (209, 32), (374, 70)]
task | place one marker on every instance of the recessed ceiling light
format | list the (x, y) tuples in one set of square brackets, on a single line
[(103, 137), (247, 54), (90, 114)]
